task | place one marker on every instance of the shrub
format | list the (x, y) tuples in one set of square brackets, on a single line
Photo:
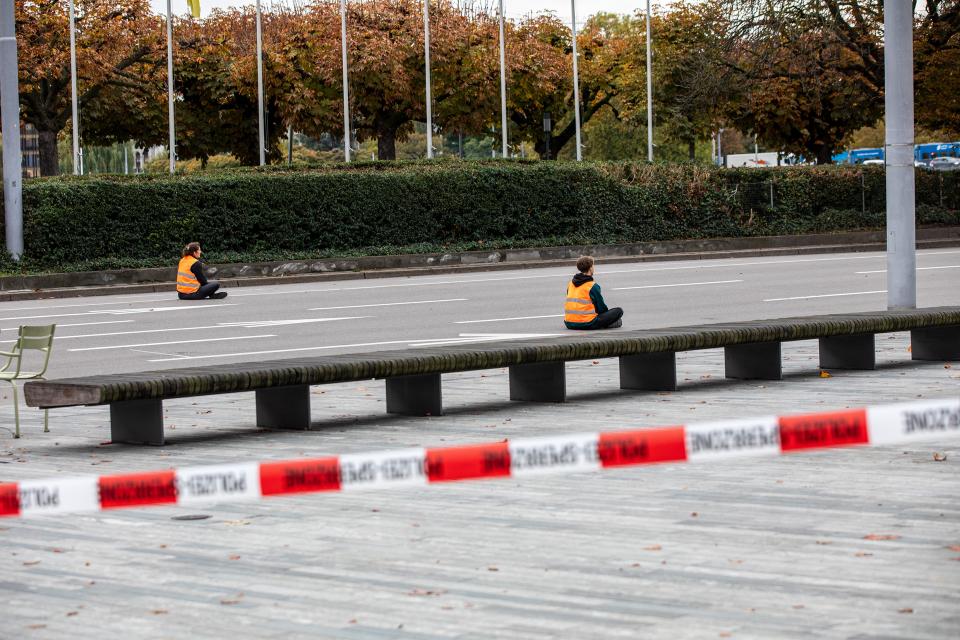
[(347, 208)]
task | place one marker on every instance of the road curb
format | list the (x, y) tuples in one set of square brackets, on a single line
[(160, 280)]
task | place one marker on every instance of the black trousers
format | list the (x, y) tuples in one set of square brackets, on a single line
[(205, 291), (605, 319)]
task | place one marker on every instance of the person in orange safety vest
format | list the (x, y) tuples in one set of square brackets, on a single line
[(585, 308), (191, 283)]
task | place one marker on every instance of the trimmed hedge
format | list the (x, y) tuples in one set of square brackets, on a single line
[(385, 206)]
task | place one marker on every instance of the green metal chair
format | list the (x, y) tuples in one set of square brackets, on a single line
[(31, 338)]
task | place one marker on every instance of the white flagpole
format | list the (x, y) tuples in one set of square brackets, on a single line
[(263, 145), (173, 135), (73, 92), (346, 76), (576, 83), (649, 90), (503, 85), (426, 57)]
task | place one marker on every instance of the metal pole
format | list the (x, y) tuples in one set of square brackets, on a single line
[(126, 166), (346, 85), (289, 144), (649, 90), (426, 58), (576, 82), (720, 148), (260, 118), (898, 98), (173, 135), (73, 92), (503, 85), (10, 120)]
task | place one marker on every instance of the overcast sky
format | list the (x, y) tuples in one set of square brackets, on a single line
[(512, 8)]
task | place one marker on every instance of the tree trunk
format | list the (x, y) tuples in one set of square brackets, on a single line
[(387, 144), (49, 158), (824, 155), (692, 149)]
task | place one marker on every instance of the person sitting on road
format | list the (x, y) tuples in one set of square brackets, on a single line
[(191, 283), (585, 308)]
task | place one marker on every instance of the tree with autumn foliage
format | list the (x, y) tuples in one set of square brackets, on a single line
[(113, 37)]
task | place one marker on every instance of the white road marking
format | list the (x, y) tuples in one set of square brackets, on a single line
[(87, 304), (159, 353), (469, 338), (123, 311), (253, 324), (950, 266), (427, 342), (387, 304), (219, 325), (552, 315), (77, 324), (826, 295), (679, 284), (160, 344)]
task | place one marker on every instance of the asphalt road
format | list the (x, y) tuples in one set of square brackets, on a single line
[(150, 331)]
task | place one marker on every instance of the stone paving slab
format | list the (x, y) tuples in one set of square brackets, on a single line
[(764, 548)]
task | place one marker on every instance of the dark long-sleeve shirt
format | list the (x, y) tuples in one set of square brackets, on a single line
[(197, 269)]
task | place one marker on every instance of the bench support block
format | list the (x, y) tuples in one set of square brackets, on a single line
[(649, 372), (755, 361), (415, 395), (935, 343), (284, 407), (137, 422), (848, 352), (539, 382)]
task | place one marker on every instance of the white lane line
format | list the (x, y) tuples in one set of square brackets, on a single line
[(219, 325), (87, 304), (160, 344), (387, 304), (826, 295), (427, 342), (679, 284), (552, 315), (475, 337), (950, 266), (159, 353), (77, 324), (124, 311)]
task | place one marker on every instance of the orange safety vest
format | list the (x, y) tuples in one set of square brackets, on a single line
[(579, 307), (186, 281)]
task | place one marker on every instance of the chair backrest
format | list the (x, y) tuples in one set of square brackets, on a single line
[(37, 338)]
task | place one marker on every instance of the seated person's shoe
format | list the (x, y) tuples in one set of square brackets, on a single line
[(616, 325), (220, 295)]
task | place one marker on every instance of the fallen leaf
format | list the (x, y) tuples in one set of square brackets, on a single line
[(159, 612), (30, 563), (36, 626), (492, 569), (694, 514), (352, 621), (230, 601), (862, 554), (654, 547), (596, 362), (825, 374), (635, 564), (234, 557), (724, 634), (57, 550), (880, 536), (947, 366), (905, 610), (70, 614), (939, 457), (824, 542), (954, 547), (799, 606), (426, 592)]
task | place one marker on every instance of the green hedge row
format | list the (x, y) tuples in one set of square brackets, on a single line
[(283, 212)]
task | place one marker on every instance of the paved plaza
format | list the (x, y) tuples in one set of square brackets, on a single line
[(854, 543)]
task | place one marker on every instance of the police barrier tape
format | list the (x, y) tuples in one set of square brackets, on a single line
[(571, 453)]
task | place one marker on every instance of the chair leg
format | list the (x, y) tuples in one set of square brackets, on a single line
[(16, 410), (46, 420)]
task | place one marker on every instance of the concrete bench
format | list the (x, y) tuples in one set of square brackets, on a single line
[(647, 362)]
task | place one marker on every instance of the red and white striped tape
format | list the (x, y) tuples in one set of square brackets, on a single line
[(571, 453)]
